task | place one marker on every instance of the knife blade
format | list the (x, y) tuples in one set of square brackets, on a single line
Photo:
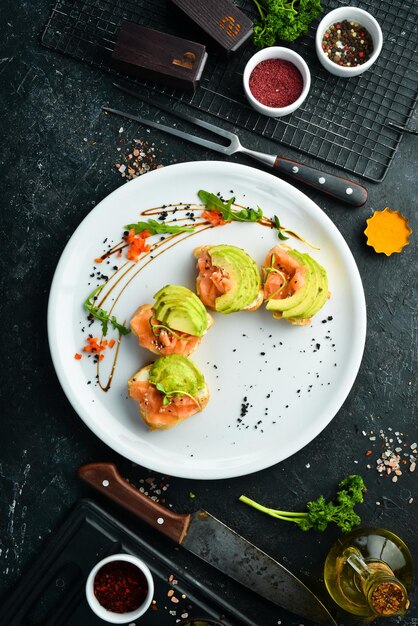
[(211, 540)]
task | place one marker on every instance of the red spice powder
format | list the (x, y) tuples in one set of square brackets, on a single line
[(276, 83), (120, 586)]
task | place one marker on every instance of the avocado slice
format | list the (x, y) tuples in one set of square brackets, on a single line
[(177, 375), (180, 309), (299, 311), (244, 275), (197, 311), (170, 289), (294, 300), (322, 294)]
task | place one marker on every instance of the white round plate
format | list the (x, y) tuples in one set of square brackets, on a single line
[(274, 386)]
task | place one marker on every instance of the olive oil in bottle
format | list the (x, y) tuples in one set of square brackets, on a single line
[(368, 573)]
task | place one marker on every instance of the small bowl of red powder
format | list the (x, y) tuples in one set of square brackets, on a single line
[(120, 588), (276, 81)]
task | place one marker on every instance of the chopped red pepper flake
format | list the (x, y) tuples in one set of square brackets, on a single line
[(214, 217), (93, 346), (78, 356), (137, 244), (120, 587)]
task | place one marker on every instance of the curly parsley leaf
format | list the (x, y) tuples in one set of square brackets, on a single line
[(319, 513), (284, 20), (158, 228), (103, 316), (214, 203)]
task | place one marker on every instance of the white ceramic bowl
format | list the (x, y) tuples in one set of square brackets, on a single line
[(351, 14), (285, 54), (109, 616)]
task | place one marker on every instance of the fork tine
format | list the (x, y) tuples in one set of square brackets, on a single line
[(173, 131), (184, 116)]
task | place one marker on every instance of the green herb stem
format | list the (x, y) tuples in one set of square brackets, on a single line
[(320, 513)]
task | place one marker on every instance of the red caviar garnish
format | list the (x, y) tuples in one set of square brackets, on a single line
[(78, 356)]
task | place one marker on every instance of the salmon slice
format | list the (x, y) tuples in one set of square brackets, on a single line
[(163, 342), (154, 413), (287, 276), (211, 281)]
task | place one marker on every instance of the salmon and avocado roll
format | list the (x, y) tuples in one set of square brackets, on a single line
[(174, 324), (168, 391), (228, 279), (295, 285)]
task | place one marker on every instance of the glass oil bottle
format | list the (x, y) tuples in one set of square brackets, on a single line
[(368, 573)]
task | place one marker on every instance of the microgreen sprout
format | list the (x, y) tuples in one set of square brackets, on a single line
[(175, 392), (156, 333)]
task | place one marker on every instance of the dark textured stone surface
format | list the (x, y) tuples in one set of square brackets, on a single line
[(58, 154)]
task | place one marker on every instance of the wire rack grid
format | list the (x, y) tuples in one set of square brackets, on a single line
[(345, 122)]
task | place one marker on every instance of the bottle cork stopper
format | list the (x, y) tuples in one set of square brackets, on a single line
[(388, 598)]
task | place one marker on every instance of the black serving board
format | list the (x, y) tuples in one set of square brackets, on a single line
[(51, 592)]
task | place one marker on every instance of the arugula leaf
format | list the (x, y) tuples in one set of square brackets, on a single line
[(277, 225), (102, 315), (158, 228), (214, 203)]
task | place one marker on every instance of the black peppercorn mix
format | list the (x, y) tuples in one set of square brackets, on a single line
[(347, 43)]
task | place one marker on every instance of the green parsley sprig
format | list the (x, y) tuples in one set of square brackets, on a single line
[(284, 20), (320, 513), (158, 228), (103, 316)]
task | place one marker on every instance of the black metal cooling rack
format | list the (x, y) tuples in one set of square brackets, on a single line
[(345, 122)]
